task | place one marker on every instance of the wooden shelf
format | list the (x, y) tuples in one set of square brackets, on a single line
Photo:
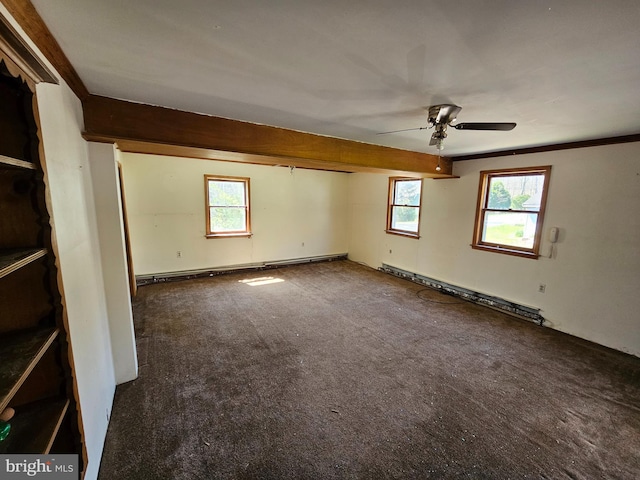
[(19, 354), (14, 259), (35, 426), (36, 374), (15, 163)]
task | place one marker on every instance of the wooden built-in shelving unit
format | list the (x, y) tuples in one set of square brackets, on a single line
[(19, 354), (36, 378), (14, 162), (12, 260), (35, 430)]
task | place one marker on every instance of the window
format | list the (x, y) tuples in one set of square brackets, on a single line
[(227, 200), (403, 212), (510, 210)]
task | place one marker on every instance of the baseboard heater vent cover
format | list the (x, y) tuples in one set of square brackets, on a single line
[(142, 280), (521, 311)]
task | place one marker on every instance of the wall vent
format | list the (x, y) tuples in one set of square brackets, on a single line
[(520, 311)]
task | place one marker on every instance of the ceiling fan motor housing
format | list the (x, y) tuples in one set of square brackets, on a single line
[(444, 114)]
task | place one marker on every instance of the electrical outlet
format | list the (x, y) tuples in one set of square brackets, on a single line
[(179, 254), (542, 287)]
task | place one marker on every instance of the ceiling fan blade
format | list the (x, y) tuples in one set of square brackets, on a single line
[(404, 130), (502, 126)]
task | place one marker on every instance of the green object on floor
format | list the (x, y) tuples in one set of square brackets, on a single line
[(5, 428)]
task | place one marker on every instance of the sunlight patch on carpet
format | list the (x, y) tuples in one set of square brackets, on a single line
[(256, 282)]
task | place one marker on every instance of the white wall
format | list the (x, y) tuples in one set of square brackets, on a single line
[(73, 210), (166, 211), (593, 280), (106, 192)]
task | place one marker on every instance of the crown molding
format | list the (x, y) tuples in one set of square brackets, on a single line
[(551, 148)]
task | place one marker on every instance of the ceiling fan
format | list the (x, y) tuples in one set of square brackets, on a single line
[(441, 117)]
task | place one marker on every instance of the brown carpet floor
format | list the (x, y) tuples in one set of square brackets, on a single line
[(338, 371)]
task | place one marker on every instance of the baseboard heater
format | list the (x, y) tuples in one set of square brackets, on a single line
[(142, 280), (521, 311)]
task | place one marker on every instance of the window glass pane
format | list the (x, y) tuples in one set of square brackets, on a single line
[(405, 218), (226, 193), (513, 229), (407, 192), (228, 219), (515, 192)]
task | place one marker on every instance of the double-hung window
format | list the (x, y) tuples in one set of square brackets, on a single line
[(227, 202), (403, 211), (510, 210)]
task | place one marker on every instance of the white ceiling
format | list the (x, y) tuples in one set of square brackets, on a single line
[(563, 70)]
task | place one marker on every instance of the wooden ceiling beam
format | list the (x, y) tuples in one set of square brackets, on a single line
[(151, 129)]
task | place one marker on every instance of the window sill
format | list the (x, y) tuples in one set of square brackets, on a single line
[(229, 235), (403, 234), (506, 251)]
